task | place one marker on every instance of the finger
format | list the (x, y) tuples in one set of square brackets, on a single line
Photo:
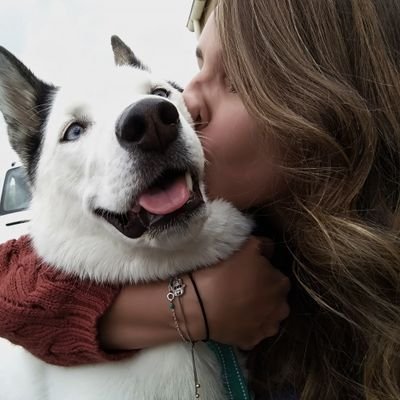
[(271, 330), (281, 283), (284, 312)]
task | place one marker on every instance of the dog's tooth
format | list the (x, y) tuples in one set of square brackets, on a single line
[(189, 181)]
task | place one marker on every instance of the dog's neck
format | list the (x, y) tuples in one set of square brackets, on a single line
[(76, 249)]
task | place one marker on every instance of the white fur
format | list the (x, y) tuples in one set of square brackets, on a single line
[(71, 180)]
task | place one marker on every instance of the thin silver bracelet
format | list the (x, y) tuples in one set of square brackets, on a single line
[(176, 289)]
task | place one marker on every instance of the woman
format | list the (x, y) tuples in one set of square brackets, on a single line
[(297, 106), (322, 79)]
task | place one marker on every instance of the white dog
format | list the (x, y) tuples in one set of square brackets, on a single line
[(116, 174)]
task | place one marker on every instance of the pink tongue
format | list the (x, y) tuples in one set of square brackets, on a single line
[(165, 201)]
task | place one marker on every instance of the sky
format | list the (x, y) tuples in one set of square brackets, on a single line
[(54, 38)]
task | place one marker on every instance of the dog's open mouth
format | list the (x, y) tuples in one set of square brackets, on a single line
[(173, 198)]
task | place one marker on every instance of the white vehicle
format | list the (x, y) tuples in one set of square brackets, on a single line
[(14, 202)]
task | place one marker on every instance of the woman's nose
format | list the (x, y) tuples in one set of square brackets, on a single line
[(192, 101)]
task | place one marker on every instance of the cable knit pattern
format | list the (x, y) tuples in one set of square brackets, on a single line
[(50, 314)]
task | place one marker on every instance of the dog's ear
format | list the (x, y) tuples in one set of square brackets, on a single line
[(24, 103), (123, 55)]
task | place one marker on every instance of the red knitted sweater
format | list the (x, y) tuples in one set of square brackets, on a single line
[(51, 315)]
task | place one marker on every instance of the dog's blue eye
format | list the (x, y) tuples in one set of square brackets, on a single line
[(160, 92), (73, 132)]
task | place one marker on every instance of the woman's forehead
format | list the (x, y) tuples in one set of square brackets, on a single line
[(209, 45)]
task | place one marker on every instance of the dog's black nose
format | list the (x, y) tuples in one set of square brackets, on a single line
[(151, 124)]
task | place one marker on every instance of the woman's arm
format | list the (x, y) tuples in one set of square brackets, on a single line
[(244, 298)]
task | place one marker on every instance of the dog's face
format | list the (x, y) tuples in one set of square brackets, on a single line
[(115, 153)]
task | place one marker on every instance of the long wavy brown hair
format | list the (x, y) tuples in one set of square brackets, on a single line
[(322, 76)]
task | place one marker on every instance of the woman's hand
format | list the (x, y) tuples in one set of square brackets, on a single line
[(245, 297)]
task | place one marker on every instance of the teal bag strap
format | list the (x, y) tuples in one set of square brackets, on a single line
[(234, 381)]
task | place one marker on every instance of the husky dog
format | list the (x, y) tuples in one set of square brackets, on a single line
[(116, 172)]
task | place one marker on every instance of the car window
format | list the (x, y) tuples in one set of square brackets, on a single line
[(16, 194)]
